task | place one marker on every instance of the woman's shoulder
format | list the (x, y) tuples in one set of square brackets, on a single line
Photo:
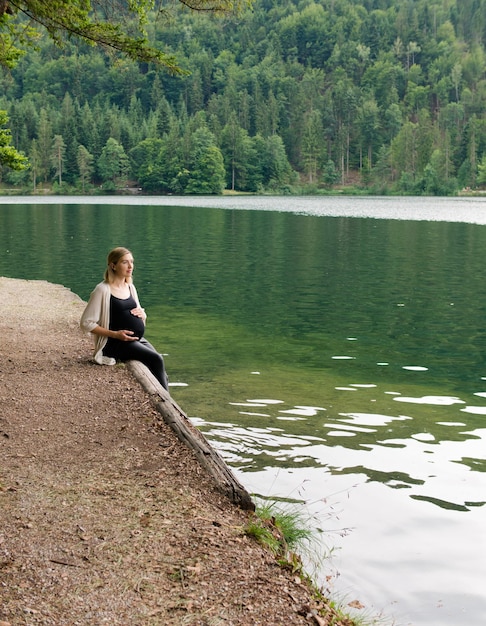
[(103, 287), (100, 290)]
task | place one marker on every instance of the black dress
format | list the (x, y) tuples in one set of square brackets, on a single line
[(140, 350)]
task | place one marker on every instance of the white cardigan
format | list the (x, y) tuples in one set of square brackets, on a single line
[(97, 313)]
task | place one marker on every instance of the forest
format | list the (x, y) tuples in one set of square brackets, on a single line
[(284, 96)]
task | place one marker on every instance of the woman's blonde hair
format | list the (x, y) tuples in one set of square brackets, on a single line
[(113, 257)]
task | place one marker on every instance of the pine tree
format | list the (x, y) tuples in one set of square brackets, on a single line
[(85, 166), (44, 145), (58, 155), (113, 165)]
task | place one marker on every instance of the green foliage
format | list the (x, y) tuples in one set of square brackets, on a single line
[(9, 156), (481, 178), (85, 165), (206, 165), (113, 24), (113, 164), (330, 174), (197, 170), (148, 165), (291, 97)]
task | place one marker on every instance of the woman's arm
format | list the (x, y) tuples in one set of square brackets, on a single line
[(121, 335), (91, 317)]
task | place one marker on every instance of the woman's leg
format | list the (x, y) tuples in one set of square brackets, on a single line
[(142, 351)]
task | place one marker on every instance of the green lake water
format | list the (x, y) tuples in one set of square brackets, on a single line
[(333, 350)]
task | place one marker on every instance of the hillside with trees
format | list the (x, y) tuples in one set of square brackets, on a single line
[(388, 96)]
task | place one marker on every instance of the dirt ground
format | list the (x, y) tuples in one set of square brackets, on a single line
[(105, 517)]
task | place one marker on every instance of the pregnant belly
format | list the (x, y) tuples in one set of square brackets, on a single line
[(137, 326), (133, 323)]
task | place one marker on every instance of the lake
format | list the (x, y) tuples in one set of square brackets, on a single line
[(333, 349)]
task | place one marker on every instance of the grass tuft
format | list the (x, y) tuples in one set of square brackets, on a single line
[(285, 534), (281, 532)]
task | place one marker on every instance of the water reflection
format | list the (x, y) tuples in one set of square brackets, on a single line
[(437, 400), (343, 491), (382, 457)]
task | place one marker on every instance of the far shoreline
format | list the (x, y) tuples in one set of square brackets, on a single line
[(454, 209)]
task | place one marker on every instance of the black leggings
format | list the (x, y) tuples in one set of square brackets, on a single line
[(142, 351)]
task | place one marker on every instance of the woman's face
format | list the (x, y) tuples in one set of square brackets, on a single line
[(124, 267)]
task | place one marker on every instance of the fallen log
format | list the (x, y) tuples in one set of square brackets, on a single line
[(193, 438)]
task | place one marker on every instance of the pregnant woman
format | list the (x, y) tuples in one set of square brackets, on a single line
[(117, 321)]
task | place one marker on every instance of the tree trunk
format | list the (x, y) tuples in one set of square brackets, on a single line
[(193, 438)]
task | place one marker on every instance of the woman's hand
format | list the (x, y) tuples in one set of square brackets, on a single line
[(139, 312), (124, 335)]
